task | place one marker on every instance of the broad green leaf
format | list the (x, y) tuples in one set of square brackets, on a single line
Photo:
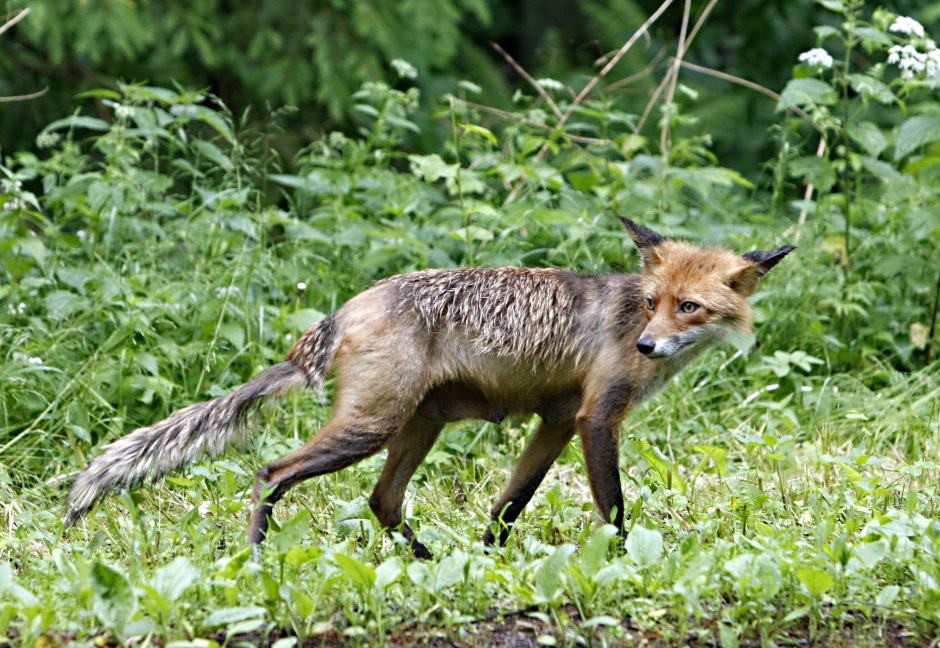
[(78, 121), (882, 170), (234, 333), (594, 554), (214, 154), (432, 167), (313, 183), (206, 116), (450, 570), (114, 598), (226, 616), (663, 470), (360, 574), (887, 596), (548, 576), (32, 247), (867, 135), (482, 132), (816, 582), (871, 553), (758, 576), (833, 5), (645, 546), (173, 579), (871, 88), (304, 318), (292, 531), (803, 92), (718, 455), (914, 133), (61, 304), (388, 572)]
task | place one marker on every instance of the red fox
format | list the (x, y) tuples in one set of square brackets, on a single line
[(419, 350)]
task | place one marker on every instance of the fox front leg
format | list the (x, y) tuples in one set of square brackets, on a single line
[(599, 441)]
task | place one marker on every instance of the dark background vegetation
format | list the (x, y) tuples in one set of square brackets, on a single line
[(261, 56)]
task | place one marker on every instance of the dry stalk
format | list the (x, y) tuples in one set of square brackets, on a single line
[(528, 77), (15, 19), (25, 97), (673, 76), (587, 89), (684, 46)]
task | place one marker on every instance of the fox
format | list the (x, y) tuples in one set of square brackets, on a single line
[(419, 350)]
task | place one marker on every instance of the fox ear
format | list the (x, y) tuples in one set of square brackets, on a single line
[(645, 240), (759, 264)]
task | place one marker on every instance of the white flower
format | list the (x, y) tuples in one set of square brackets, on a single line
[(47, 139), (470, 86), (913, 62), (551, 84), (404, 69), (123, 112), (14, 204), (816, 57), (81, 235), (301, 286), (21, 308), (33, 360), (933, 64), (906, 25), (226, 291)]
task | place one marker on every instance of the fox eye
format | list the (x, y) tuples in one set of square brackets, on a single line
[(688, 307), (650, 304)]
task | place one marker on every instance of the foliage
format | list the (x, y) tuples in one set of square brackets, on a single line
[(158, 253)]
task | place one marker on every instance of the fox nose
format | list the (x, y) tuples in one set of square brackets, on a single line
[(645, 346)]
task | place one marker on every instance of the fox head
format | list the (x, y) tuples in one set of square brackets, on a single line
[(694, 296)]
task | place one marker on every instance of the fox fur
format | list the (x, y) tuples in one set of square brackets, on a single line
[(419, 350)]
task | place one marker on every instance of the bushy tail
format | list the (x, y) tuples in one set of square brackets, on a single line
[(201, 429)]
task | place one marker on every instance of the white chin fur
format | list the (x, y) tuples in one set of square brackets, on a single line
[(686, 342)]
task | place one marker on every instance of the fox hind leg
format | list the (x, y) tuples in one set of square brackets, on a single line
[(370, 410), (338, 445), (540, 453), (405, 453)]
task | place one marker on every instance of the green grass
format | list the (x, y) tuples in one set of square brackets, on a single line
[(827, 526)]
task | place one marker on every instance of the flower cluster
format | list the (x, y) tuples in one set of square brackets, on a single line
[(47, 139), (123, 112), (906, 25), (817, 57), (404, 69), (918, 57), (19, 309), (913, 62)]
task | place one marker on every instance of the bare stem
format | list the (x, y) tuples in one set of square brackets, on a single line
[(933, 323), (684, 45), (15, 19), (587, 89), (25, 97), (528, 77), (673, 77)]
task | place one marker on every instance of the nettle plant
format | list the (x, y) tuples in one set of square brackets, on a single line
[(869, 92)]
